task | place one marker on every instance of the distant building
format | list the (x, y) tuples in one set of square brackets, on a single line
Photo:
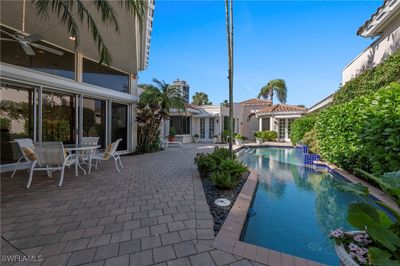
[(384, 24), (184, 88)]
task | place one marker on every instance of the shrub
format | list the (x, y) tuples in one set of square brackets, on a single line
[(300, 126), (258, 134), (371, 80), (172, 132), (228, 174), (239, 137), (5, 123), (269, 135), (219, 154), (310, 139), (363, 133), (205, 164)]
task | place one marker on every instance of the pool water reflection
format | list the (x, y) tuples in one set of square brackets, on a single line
[(296, 206)]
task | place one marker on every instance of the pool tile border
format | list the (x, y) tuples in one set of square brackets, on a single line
[(228, 238)]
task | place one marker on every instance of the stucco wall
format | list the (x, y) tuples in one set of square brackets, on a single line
[(377, 52)]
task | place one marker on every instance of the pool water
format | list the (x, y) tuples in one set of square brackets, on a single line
[(295, 205)]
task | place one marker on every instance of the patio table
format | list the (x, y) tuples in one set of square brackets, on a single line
[(79, 150)]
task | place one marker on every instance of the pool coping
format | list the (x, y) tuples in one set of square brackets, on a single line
[(228, 238)]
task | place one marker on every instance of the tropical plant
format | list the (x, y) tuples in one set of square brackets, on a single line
[(66, 11), (258, 134), (205, 164), (200, 98), (172, 132), (267, 135), (277, 86), (225, 103), (196, 135), (228, 174), (5, 123), (379, 226), (154, 107)]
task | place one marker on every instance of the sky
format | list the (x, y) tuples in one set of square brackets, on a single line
[(306, 43)]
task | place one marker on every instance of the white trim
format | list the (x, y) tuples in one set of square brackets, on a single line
[(22, 74)]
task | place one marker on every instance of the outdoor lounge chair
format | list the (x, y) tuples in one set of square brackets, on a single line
[(110, 152), (26, 147), (88, 155), (50, 156)]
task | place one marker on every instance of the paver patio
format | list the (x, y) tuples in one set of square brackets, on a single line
[(153, 212)]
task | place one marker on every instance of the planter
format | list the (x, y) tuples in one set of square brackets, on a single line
[(171, 138), (215, 140), (196, 139), (239, 142), (344, 257), (259, 141)]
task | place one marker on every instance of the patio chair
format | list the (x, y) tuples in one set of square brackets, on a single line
[(27, 150), (163, 143), (110, 152), (50, 157), (88, 155)]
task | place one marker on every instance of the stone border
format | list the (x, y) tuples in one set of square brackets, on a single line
[(228, 238)]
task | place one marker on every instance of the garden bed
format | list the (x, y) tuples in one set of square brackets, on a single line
[(212, 193)]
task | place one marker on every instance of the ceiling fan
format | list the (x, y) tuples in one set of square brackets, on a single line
[(27, 42)]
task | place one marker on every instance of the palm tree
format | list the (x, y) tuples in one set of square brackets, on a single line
[(229, 31), (68, 10), (169, 97), (275, 85)]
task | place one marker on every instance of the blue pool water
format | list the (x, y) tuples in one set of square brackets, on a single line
[(296, 206)]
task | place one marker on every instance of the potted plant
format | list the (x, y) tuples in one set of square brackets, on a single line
[(196, 138), (215, 139), (378, 241), (258, 135), (172, 134), (239, 139)]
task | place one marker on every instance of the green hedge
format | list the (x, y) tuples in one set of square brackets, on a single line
[(371, 80), (363, 133), (300, 126)]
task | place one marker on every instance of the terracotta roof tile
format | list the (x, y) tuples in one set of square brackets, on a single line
[(282, 108), (366, 23), (256, 101)]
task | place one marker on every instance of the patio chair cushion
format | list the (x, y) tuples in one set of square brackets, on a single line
[(30, 153), (108, 151)]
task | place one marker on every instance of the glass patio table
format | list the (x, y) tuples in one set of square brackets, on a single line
[(81, 150)]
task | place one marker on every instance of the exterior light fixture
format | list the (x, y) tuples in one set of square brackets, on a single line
[(72, 38)]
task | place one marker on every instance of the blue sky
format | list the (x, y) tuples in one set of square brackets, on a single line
[(307, 43)]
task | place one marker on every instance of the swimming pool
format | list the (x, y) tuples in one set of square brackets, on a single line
[(295, 206)]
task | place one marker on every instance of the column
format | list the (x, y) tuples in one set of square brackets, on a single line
[(260, 124)]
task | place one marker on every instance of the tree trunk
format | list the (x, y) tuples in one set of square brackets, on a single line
[(229, 30)]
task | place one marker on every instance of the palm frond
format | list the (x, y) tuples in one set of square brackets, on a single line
[(138, 8), (107, 13)]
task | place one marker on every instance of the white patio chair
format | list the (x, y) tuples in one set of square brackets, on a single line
[(24, 145), (88, 155), (163, 143), (110, 152), (50, 157)]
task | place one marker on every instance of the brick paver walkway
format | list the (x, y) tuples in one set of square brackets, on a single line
[(153, 213)]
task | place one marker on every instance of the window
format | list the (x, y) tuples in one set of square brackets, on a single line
[(119, 124), (226, 123), (282, 128), (58, 117), (181, 124), (211, 129), (94, 119), (202, 128), (103, 76), (59, 65), (16, 120)]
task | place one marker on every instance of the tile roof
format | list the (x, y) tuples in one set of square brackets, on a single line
[(366, 23), (282, 108), (256, 101)]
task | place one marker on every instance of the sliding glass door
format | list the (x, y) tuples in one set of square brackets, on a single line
[(94, 119), (58, 117), (17, 107), (119, 124)]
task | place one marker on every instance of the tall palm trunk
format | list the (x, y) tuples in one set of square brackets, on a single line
[(229, 29)]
